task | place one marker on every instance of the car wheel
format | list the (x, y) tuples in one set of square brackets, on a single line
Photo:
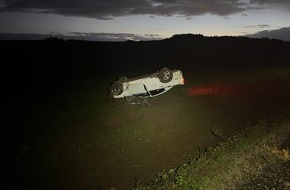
[(117, 88), (123, 79), (165, 75)]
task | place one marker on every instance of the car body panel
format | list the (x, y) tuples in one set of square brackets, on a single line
[(147, 85)]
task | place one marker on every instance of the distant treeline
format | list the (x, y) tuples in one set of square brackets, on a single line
[(58, 58)]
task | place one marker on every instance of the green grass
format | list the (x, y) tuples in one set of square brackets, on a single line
[(232, 162)]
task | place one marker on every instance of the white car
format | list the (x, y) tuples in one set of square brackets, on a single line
[(146, 86)]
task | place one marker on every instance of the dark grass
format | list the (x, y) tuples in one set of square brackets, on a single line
[(62, 131)]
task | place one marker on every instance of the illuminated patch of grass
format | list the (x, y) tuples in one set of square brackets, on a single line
[(232, 162)]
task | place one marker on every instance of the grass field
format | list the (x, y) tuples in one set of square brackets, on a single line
[(76, 137), (256, 158)]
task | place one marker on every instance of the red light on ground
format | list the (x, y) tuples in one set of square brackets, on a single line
[(244, 89), (212, 90)]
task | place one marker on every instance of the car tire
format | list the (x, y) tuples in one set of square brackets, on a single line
[(165, 75), (117, 88), (123, 79)]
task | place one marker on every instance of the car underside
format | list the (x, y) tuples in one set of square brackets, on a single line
[(146, 86)]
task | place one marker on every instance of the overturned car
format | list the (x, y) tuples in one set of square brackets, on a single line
[(136, 90)]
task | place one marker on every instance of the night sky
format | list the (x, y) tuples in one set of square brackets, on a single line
[(143, 19)]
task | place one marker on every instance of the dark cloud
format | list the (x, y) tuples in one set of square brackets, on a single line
[(281, 4), (258, 26), (107, 9)]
